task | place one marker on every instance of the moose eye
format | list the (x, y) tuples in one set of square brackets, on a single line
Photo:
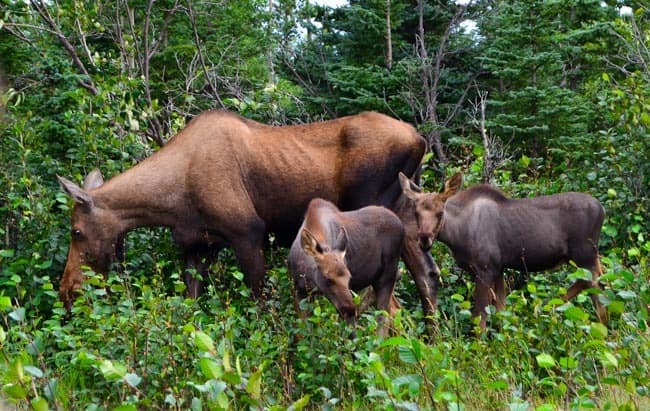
[(76, 233)]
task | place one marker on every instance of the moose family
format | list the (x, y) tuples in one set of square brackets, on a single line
[(343, 195)]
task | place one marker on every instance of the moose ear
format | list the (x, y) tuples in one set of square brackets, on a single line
[(452, 185), (409, 188), (79, 196), (94, 179), (309, 243), (341, 241)]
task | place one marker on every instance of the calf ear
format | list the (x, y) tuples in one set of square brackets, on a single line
[(309, 243), (341, 242), (452, 185), (79, 196), (94, 179), (409, 188)]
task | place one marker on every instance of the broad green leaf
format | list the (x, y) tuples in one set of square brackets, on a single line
[(545, 407), (39, 404), (6, 253), (112, 370), (598, 331), (575, 313), (608, 359), (254, 386), (203, 341), (616, 307), (18, 314), (545, 360), (568, 363), (5, 302), (626, 294), (15, 391), (392, 341), (132, 379), (406, 355), (300, 404), (210, 368), (34, 371), (126, 407)]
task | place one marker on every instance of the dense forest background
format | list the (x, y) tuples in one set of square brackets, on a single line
[(536, 97)]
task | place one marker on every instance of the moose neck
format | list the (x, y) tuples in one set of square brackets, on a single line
[(146, 195)]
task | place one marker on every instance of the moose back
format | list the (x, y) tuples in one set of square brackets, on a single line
[(225, 181)]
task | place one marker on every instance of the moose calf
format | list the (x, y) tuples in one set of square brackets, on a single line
[(335, 252), (488, 232)]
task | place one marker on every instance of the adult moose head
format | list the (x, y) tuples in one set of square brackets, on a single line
[(228, 181), (488, 232), (335, 252)]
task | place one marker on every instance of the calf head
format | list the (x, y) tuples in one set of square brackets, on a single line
[(429, 207), (333, 276), (93, 236)]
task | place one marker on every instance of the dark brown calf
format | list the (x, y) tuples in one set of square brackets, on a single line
[(488, 232), (336, 252)]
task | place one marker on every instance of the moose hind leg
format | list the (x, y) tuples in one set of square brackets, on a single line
[(586, 256)]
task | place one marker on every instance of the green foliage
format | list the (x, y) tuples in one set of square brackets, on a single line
[(134, 343), (568, 94)]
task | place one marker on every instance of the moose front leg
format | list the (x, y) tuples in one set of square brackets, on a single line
[(489, 288), (251, 260), (196, 269), (425, 273)]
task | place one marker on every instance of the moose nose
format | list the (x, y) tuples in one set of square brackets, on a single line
[(349, 313), (426, 241), (68, 293)]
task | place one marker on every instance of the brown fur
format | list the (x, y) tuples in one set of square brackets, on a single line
[(336, 252), (488, 232), (227, 181)]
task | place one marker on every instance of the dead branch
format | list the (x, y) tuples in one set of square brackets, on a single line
[(41, 9), (495, 152)]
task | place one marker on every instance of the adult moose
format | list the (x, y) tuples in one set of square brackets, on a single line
[(228, 181), (488, 232), (335, 252)]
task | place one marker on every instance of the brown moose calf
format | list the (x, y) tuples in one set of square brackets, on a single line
[(335, 252), (488, 232)]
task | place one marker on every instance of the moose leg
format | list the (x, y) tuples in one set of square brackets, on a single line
[(500, 292), (368, 298), (425, 273), (489, 288), (196, 269), (580, 285), (248, 251), (384, 293)]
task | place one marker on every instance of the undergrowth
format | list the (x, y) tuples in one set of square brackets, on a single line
[(134, 342)]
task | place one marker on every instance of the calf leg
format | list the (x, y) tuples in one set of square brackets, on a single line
[(489, 288), (580, 285), (384, 293), (500, 293), (368, 298)]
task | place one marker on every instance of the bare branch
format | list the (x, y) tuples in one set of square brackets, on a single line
[(495, 151), (41, 9)]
